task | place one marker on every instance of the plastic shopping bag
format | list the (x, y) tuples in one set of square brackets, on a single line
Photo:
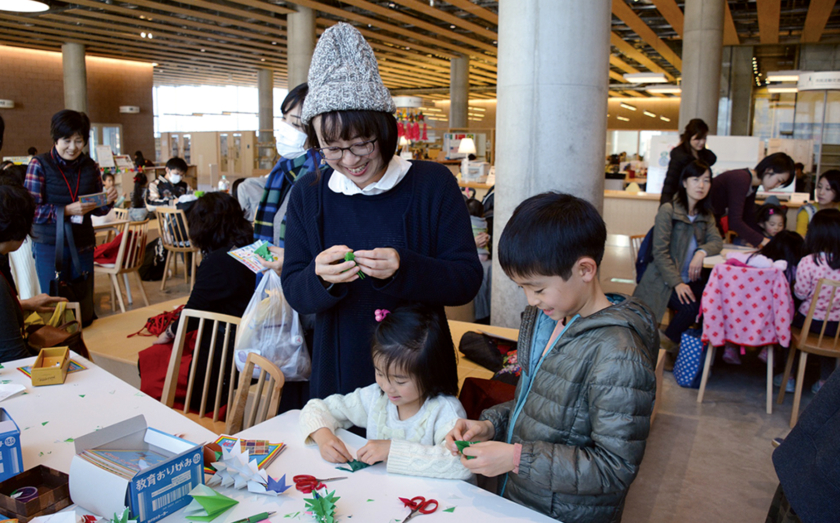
[(272, 329)]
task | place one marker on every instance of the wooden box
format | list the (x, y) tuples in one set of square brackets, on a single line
[(53, 493)]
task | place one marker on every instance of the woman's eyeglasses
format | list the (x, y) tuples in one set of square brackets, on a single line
[(358, 149)]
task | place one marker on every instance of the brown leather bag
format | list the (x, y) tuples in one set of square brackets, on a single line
[(45, 336)]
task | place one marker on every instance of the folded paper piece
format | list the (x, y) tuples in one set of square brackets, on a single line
[(353, 466), (123, 518), (271, 486), (207, 504), (236, 469), (352, 257), (8, 390), (464, 444), (322, 506)]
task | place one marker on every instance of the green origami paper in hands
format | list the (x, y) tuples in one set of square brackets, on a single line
[(464, 444), (353, 466), (207, 504), (352, 257)]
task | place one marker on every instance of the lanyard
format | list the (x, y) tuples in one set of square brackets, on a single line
[(520, 404), (78, 178)]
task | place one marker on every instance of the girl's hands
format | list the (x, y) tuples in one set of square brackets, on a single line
[(469, 430), (492, 458), (331, 267), (375, 451), (696, 265), (79, 208), (379, 263), (684, 293), (332, 449)]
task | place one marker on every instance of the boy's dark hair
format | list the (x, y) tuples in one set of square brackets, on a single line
[(106, 176), (416, 339), (787, 246), (177, 164), (695, 127), (548, 233), (66, 123), (32, 151), (776, 163), (770, 209), (217, 221), (695, 169), (799, 166), (832, 176), (14, 173), (347, 125), (295, 97), (475, 208), (823, 236), (17, 210)]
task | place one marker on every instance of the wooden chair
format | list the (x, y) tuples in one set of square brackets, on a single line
[(129, 259), (730, 236), (228, 368), (175, 236), (806, 342), (266, 399)]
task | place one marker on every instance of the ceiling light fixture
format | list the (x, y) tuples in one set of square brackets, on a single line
[(648, 113), (23, 6), (646, 78), (664, 89), (782, 76), (782, 88), (627, 106), (664, 118), (623, 119)]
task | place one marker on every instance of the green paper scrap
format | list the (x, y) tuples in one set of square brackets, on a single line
[(464, 444), (352, 257), (322, 506), (40, 454), (355, 465), (450, 510), (69, 440), (4, 382), (207, 504), (290, 515), (369, 500), (44, 423), (264, 253), (81, 395)]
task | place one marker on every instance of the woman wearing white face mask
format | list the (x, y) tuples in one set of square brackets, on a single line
[(296, 161)]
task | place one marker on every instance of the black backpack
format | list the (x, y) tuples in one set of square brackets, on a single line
[(154, 261), (645, 255)]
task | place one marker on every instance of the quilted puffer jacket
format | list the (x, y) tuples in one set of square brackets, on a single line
[(584, 423)]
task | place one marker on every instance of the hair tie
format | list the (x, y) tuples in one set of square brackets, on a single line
[(380, 314), (771, 212)]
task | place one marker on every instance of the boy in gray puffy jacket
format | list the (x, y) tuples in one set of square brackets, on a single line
[(570, 443)]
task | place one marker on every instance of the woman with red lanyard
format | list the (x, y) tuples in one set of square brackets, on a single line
[(56, 180)]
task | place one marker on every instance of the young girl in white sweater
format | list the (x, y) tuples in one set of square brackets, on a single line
[(410, 408)]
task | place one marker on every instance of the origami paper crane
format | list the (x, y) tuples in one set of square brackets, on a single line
[(207, 504), (272, 487), (236, 469)]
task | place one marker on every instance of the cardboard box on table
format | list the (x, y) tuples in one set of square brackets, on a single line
[(11, 460), (50, 367), (154, 492)]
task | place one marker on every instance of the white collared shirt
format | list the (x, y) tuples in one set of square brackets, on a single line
[(397, 169)]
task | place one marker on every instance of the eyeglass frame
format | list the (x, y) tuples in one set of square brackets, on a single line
[(323, 150)]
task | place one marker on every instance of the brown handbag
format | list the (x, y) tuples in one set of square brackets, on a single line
[(45, 336)]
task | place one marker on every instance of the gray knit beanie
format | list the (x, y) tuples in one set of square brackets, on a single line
[(344, 76)]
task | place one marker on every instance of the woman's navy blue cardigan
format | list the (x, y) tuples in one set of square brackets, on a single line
[(424, 218)]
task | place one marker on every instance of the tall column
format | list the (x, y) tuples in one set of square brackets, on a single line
[(701, 59), (300, 44), (265, 91), (740, 90), (75, 76), (551, 114), (459, 91)]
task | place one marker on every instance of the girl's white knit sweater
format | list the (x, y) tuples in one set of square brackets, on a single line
[(417, 444)]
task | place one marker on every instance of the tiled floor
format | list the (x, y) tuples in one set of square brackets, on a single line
[(704, 462)]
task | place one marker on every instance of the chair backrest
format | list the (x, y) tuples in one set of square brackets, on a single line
[(222, 364), (120, 214), (133, 246), (635, 243), (830, 286), (266, 394), (174, 232)]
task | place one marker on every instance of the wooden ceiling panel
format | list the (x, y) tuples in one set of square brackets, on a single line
[(769, 12), (818, 13)]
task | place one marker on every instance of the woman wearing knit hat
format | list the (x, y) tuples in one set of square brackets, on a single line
[(405, 222)]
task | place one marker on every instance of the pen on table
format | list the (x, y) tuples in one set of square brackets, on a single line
[(254, 519)]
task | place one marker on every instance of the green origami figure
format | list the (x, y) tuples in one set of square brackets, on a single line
[(464, 444), (264, 253), (353, 466), (207, 504), (123, 518), (352, 257), (322, 506)]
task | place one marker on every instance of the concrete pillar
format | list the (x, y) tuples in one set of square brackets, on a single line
[(300, 44), (459, 91), (75, 76), (701, 60), (551, 117), (740, 91), (265, 89)]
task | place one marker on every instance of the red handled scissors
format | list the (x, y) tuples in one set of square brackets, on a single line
[(419, 504), (306, 483)]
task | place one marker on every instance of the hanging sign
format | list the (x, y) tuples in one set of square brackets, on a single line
[(822, 81)]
